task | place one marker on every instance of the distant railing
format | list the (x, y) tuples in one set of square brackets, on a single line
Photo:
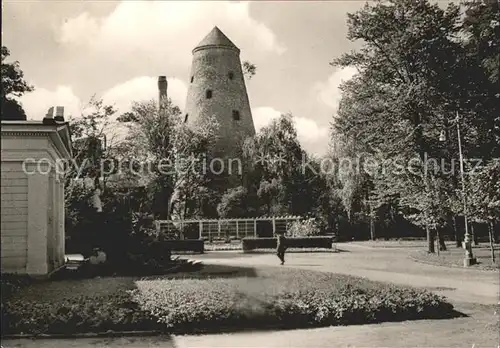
[(224, 229)]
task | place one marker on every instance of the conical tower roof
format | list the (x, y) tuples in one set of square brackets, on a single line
[(216, 38)]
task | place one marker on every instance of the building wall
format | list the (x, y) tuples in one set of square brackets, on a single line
[(32, 203), (55, 216), (210, 71), (14, 217)]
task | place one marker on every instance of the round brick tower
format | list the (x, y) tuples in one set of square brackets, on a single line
[(217, 87)]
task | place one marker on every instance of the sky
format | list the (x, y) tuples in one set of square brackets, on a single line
[(72, 50)]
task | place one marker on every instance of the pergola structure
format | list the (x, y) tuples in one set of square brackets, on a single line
[(224, 228)]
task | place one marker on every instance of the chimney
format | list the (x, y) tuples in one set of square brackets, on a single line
[(49, 117), (162, 90), (59, 118)]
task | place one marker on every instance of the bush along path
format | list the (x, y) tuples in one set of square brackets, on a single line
[(214, 300)]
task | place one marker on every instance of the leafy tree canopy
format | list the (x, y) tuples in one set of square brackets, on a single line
[(13, 85)]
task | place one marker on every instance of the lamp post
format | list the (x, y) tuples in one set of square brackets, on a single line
[(467, 244)]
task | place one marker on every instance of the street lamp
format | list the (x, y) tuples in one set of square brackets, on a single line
[(467, 244)]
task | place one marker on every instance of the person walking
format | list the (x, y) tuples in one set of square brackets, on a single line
[(281, 247)]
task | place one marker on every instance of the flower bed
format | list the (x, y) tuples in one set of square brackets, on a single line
[(222, 246), (295, 250), (74, 306), (83, 314), (239, 247), (214, 299), (281, 298), (193, 245), (293, 242)]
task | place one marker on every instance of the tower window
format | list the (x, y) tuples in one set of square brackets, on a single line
[(192, 79), (208, 93), (230, 75), (236, 115), (186, 118)]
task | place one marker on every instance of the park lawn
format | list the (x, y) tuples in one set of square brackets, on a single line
[(453, 257), (213, 299)]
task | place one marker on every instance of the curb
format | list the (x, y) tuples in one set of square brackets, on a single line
[(452, 266), (85, 335)]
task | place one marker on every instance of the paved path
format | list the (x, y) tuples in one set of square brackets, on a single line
[(390, 265), (424, 333)]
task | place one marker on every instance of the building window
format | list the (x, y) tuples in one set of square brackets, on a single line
[(192, 79), (236, 115), (186, 118), (230, 75), (208, 94)]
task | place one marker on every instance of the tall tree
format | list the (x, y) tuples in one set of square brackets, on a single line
[(88, 135), (232, 203), (178, 155), (13, 86), (415, 73), (484, 193), (481, 30), (276, 154)]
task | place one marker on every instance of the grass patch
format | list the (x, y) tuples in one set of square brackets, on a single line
[(213, 299), (453, 257)]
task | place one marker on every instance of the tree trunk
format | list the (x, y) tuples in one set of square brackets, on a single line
[(438, 238), (430, 240), (473, 232), (442, 244), (490, 233), (372, 227), (458, 240)]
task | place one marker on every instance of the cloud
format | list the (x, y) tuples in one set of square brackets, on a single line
[(328, 92), (264, 116), (121, 96), (313, 137), (37, 103), (165, 32), (144, 88)]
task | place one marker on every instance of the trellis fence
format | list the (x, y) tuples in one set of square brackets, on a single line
[(225, 229)]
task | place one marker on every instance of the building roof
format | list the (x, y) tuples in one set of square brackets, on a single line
[(59, 133), (215, 38)]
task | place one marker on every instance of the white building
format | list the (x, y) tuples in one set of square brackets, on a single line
[(32, 193)]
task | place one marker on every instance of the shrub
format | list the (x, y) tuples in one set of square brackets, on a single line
[(297, 242), (307, 227), (114, 312), (194, 305), (269, 297), (11, 283)]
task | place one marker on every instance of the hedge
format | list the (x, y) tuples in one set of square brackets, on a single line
[(83, 314), (295, 242), (281, 299), (194, 245), (214, 300)]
